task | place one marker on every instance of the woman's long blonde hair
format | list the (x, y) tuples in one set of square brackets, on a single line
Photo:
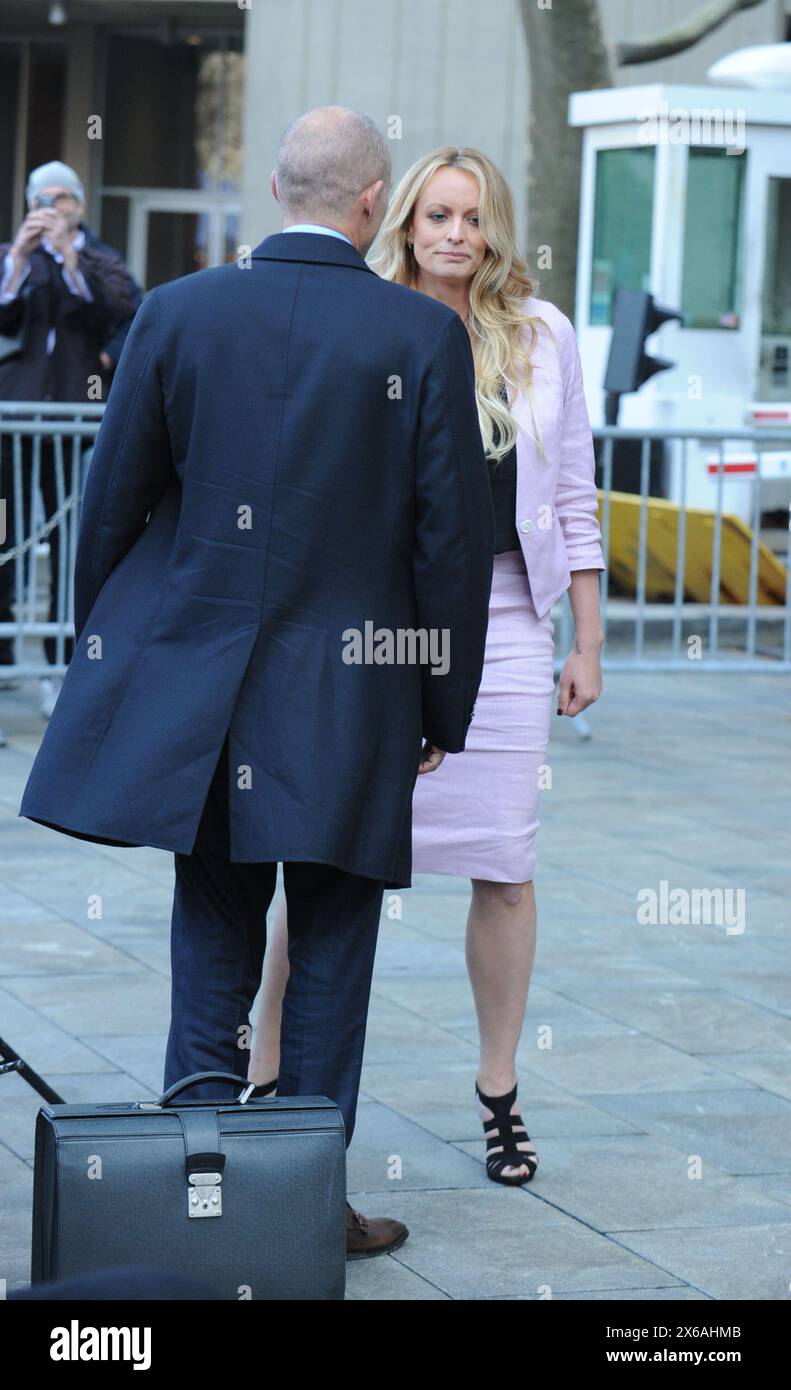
[(498, 288)]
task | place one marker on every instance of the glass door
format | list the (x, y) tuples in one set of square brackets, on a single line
[(167, 233), (172, 159)]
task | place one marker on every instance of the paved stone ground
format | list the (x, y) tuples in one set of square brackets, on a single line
[(670, 1045)]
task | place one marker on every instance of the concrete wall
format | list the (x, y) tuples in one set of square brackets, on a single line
[(453, 70)]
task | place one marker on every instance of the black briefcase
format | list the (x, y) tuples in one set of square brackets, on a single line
[(248, 1195)]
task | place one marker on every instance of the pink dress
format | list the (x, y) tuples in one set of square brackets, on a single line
[(477, 815)]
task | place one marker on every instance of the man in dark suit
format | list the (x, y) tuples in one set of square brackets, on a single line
[(291, 451)]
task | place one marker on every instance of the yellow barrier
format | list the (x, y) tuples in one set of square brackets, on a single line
[(662, 543)]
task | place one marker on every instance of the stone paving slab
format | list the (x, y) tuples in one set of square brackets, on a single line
[(654, 1187), (386, 1143), (768, 1070), (131, 1002), (630, 1062), (398, 1034), (673, 1293), (16, 1178), (738, 1262), (452, 1116), (776, 1185), (388, 1281), (140, 1057), (668, 1042), (742, 1131), (44, 1045), (500, 1243), (694, 1019), (54, 946)]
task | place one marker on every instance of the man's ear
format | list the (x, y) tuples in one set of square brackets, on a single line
[(273, 186), (372, 197)]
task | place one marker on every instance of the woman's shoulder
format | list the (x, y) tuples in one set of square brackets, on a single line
[(549, 313), (555, 343)]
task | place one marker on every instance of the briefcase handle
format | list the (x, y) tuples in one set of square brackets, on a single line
[(195, 1080)]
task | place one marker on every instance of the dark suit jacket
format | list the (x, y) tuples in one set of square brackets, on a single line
[(304, 437)]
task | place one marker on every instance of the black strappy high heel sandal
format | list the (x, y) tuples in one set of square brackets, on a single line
[(264, 1090), (504, 1132)]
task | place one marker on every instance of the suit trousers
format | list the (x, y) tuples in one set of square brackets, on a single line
[(218, 938)]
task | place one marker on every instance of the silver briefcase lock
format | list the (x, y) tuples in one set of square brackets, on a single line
[(205, 1196)]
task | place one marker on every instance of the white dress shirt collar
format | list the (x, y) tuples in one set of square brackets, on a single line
[(315, 227)]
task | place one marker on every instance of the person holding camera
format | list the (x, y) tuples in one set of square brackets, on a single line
[(66, 303)]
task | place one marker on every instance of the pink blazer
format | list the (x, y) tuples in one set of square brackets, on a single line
[(556, 502)]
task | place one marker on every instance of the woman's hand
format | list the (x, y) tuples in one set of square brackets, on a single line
[(580, 680), (28, 237)]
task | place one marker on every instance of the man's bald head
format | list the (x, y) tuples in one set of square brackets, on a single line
[(325, 159)]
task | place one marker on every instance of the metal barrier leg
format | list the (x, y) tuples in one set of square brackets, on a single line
[(582, 727)]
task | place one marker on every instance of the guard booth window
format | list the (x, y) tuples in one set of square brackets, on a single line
[(774, 371), (776, 301), (713, 230), (623, 212)]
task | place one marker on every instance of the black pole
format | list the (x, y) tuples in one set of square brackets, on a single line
[(612, 405), (15, 1063)]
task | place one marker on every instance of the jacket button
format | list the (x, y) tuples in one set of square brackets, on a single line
[(526, 526)]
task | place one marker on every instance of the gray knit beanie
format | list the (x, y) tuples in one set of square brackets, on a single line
[(54, 172)]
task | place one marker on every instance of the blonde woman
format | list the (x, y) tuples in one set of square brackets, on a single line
[(449, 233)]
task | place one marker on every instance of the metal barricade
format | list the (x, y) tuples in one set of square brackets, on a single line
[(43, 451), (38, 436), (726, 634)]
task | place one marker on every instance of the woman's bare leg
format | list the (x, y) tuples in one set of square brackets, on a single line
[(265, 1052), (500, 949)]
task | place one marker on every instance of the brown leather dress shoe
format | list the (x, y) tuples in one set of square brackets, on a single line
[(375, 1235)]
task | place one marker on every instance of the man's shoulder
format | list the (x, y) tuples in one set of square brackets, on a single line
[(413, 303), (192, 288), (397, 301)]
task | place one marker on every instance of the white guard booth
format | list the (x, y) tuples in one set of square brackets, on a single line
[(686, 193)]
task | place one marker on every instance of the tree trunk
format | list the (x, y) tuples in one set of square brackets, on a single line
[(566, 53)]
